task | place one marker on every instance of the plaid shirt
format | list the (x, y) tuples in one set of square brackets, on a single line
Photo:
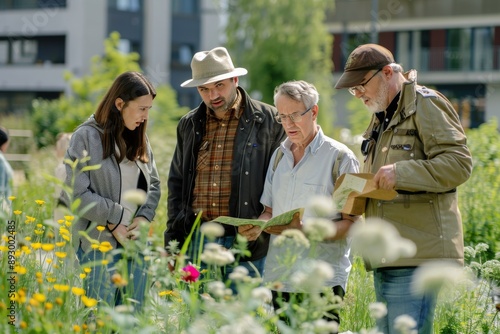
[(213, 182)]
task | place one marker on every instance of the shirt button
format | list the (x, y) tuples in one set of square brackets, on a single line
[(246, 173), (213, 204), (215, 184), (216, 167), (219, 146), (246, 203)]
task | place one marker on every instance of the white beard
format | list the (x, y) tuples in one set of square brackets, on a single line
[(379, 103)]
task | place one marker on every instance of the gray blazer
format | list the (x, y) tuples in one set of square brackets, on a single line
[(101, 187)]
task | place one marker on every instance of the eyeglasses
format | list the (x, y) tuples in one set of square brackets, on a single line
[(295, 117), (361, 87)]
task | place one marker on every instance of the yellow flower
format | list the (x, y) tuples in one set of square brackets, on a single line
[(49, 306), (105, 246), (36, 245), (61, 287), (77, 291), (23, 324), (26, 250), (65, 237), (89, 302), (49, 261), (30, 219), (100, 228), (39, 226), (165, 293), (40, 202), (118, 280), (50, 235), (17, 212), (104, 262), (82, 275), (69, 218), (38, 274), (61, 244), (59, 301), (87, 270), (94, 246), (38, 232), (76, 328), (20, 270), (11, 198), (67, 223), (34, 302), (5, 238), (28, 238), (51, 279), (4, 248), (48, 247), (64, 231), (61, 255), (60, 221), (39, 297)]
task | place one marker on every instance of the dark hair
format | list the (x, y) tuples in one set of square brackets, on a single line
[(131, 144), (4, 135)]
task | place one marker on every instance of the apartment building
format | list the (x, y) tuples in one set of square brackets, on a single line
[(453, 44), (41, 39)]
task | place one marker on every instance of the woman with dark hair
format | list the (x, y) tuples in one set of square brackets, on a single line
[(114, 138)]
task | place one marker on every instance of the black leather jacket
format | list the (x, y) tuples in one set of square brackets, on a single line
[(257, 138)]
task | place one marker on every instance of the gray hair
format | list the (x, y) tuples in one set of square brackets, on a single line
[(299, 91), (397, 68)]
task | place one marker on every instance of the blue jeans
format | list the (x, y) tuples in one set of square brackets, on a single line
[(227, 242), (98, 283), (393, 288)]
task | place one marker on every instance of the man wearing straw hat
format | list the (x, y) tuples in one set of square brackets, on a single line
[(220, 161)]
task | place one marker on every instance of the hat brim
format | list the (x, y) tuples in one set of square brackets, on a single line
[(239, 71), (351, 79)]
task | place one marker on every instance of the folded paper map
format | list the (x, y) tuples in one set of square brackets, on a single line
[(352, 190), (283, 219)]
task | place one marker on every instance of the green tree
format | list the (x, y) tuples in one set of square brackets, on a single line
[(283, 40), (67, 112)]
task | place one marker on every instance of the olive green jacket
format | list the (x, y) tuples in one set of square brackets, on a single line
[(427, 143)]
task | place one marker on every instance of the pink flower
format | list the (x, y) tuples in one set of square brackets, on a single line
[(190, 274)]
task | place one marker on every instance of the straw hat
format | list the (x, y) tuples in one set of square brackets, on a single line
[(211, 66)]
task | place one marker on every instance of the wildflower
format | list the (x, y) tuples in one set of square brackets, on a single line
[(104, 262), (312, 275), (379, 242), (61, 243), (94, 245), (87, 270), (165, 293), (61, 255), (11, 198), (118, 280), (217, 255), (40, 297), (245, 324), (48, 247), (69, 218), (320, 326), (293, 236), (4, 248), (65, 237), (262, 294), (319, 229), (77, 291), (190, 274), (212, 230), (105, 246), (377, 310), (321, 206), (17, 212), (23, 324), (135, 196), (59, 301), (61, 287), (405, 324), (432, 276), (82, 275), (33, 302), (217, 289), (89, 302), (20, 270), (40, 202), (491, 270), (100, 228), (239, 273), (76, 328), (49, 306), (30, 219), (481, 247)]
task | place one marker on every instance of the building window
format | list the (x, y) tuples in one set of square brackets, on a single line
[(186, 7), (182, 54), (31, 4), (18, 50), (126, 5), (458, 49)]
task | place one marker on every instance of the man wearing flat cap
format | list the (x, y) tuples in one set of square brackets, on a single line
[(416, 145), (220, 161)]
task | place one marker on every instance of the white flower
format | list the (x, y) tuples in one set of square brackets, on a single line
[(312, 275), (319, 229), (212, 230), (292, 236), (432, 276), (135, 196), (379, 242), (239, 273), (377, 310), (262, 294), (320, 326), (215, 254), (405, 324), (244, 325), (216, 289), (321, 206)]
